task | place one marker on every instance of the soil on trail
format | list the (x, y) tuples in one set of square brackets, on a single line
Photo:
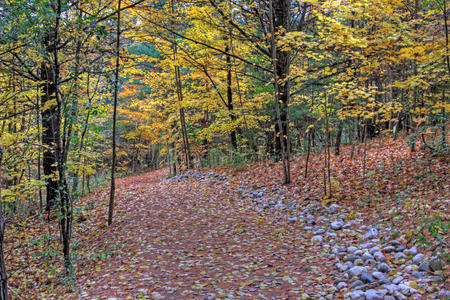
[(191, 239)]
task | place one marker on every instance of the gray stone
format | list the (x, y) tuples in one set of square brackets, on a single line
[(391, 287), (317, 238), (418, 258), (379, 256), (292, 219), (319, 231), (356, 284), (351, 249), (334, 208), (436, 264), (351, 258), (384, 281), (336, 225), (339, 279), (366, 277), (399, 256), (367, 256), (341, 267), (373, 295), (399, 296), (411, 251), (370, 262), (365, 245), (397, 280), (378, 275), (444, 294), (410, 268), (357, 295), (405, 290), (395, 243), (374, 249), (371, 233), (341, 285), (417, 274), (424, 266), (389, 297), (356, 271), (384, 267), (400, 248), (358, 262), (389, 249), (358, 252)]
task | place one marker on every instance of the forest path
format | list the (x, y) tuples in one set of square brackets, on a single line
[(194, 240)]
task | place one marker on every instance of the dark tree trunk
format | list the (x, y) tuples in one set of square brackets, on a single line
[(184, 133), (280, 65), (337, 146), (308, 153), (3, 274), (38, 125), (51, 131), (230, 104), (116, 90), (281, 9)]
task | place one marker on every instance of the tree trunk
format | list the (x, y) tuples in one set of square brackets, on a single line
[(116, 90), (308, 153), (337, 146), (38, 125), (187, 150), (230, 105), (280, 64), (280, 16), (51, 132), (3, 274), (179, 90)]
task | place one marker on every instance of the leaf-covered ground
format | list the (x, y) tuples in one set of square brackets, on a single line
[(238, 233)]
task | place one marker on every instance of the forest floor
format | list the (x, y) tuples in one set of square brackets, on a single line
[(239, 233)]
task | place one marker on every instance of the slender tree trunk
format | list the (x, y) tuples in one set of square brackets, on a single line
[(179, 89), (88, 183), (3, 274), (116, 90), (307, 154), (327, 150), (184, 133), (230, 92), (365, 152), (444, 14), (38, 125), (337, 145)]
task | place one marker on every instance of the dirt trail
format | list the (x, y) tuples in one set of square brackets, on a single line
[(190, 240)]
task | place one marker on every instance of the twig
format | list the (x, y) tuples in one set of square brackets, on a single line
[(14, 292)]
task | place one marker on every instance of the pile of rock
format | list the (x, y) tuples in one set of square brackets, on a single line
[(367, 271)]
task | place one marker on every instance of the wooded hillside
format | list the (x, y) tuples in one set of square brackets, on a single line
[(320, 121)]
